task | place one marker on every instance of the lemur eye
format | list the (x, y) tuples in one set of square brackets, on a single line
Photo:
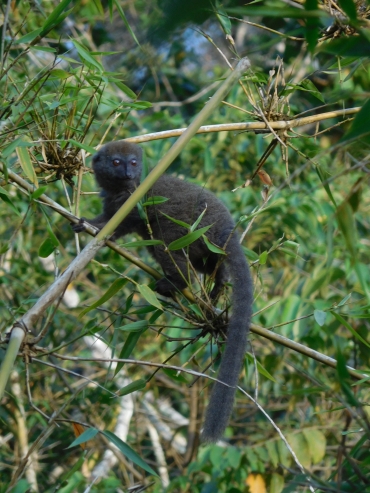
[(134, 162), (116, 162)]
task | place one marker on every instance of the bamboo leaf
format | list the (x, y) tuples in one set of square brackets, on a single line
[(141, 243), (188, 239), (5, 197), (212, 247), (134, 326), (150, 296), (46, 248), (176, 221), (350, 328), (128, 452), (87, 435), (132, 387), (196, 224), (154, 201), (123, 17), (320, 317), (128, 347), (25, 161), (85, 55), (260, 368), (56, 16), (114, 288)]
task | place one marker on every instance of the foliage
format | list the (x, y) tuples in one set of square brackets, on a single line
[(72, 79)]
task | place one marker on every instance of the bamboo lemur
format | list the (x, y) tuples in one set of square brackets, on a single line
[(117, 168)]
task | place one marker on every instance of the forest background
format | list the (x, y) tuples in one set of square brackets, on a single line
[(291, 163)]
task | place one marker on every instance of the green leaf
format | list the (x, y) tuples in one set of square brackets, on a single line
[(176, 221), (325, 184), (27, 38), (260, 368), (344, 378), (223, 19), (132, 387), (350, 328), (175, 375), (212, 247), (320, 317), (272, 452), (188, 239), (357, 46), (216, 457), (300, 446), (5, 197), (128, 452), (196, 224), (316, 441), (360, 127), (138, 105), (128, 347), (195, 308), (129, 92), (349, 8), (37, 193), (141, 243), (80, 145), (276, 483), (43, 48), (233, 456), (308, 85), (85, 55), (114, 288), (134, 326), (312, 25), (46, 248), (87, 435), (123, 17), (154, 201), (59, 74), (56, 16), (51, 234), (150, 296), (347, 225), (25, 161), (263, 257), (345, 299)]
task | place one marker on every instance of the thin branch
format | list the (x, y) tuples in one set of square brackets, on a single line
[(246, 126)]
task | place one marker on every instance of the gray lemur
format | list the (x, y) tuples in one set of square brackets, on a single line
[(117, 168)]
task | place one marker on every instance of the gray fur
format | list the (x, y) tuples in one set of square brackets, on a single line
[(186, 202)]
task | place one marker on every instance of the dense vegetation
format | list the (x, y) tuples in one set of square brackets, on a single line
[(76, 74)]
